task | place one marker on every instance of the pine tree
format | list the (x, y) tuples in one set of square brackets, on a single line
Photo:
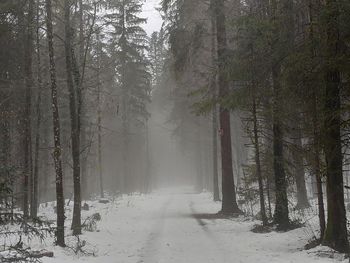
[(336, 231), (229, 203), (73, 107), (130, 42), (29, 82), (156, 56), (56, 129)]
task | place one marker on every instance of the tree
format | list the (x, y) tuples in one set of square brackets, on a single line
[(229, 203), (74, 117), (132, 68), (336, 232), (29, 82), (35, 189), (299, 168), (216, 191), (56, 129), (282, 39)]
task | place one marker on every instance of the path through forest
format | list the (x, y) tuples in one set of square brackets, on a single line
[(178, 236), (176, 226)]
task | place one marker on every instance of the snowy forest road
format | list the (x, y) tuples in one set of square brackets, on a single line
[(177, 237), (177, 226)]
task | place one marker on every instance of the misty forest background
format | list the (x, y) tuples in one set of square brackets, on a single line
[(254, 93)]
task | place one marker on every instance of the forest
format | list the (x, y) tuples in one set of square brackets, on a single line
[(222, 135)]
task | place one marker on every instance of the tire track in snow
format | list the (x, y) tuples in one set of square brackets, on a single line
[(149, 251), (210, 235)]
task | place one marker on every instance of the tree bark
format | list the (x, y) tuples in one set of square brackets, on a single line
[(229, 202), (317, 167), (336, 232), (258, 163), (75, 134), (29, 82), (81, 108), (56, 130), (281, 215), (216, 191), (35, 199), (125, 98), (99, 123), (316, 128)]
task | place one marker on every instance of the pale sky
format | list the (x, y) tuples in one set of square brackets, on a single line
[(154, 20)]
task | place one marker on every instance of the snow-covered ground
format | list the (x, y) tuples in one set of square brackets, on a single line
[(175, 227)]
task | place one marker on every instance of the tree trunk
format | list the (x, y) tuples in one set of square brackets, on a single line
[(229, 202), (75, 134), (216, 191), (258, 163), (81, 108), (29, 82), (99, 123), (281, 215), (281, 16), (56, 130), (35, 199), (125, 98), (317, 171), (316, 135), (336, 231)]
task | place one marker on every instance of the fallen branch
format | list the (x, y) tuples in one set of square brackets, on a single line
[(24, 255)]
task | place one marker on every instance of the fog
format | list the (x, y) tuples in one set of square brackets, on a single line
[(174, 131)]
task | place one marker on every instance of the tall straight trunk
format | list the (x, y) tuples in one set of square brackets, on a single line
[(258, 163), (85, 147), (45, 161), (81, 108), (99, 124), (336, 231), (256, 141), (316, 128), (56, 130), (5, 148), (216, 191), (229, 202), (35, 199), (29, 82), (268, 152), (317, 168), (281, 215), (75, 134), (125, 99)]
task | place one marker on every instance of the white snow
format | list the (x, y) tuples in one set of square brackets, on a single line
[(170, 226)]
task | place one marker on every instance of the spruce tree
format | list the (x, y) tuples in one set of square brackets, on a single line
[(129, 40)]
